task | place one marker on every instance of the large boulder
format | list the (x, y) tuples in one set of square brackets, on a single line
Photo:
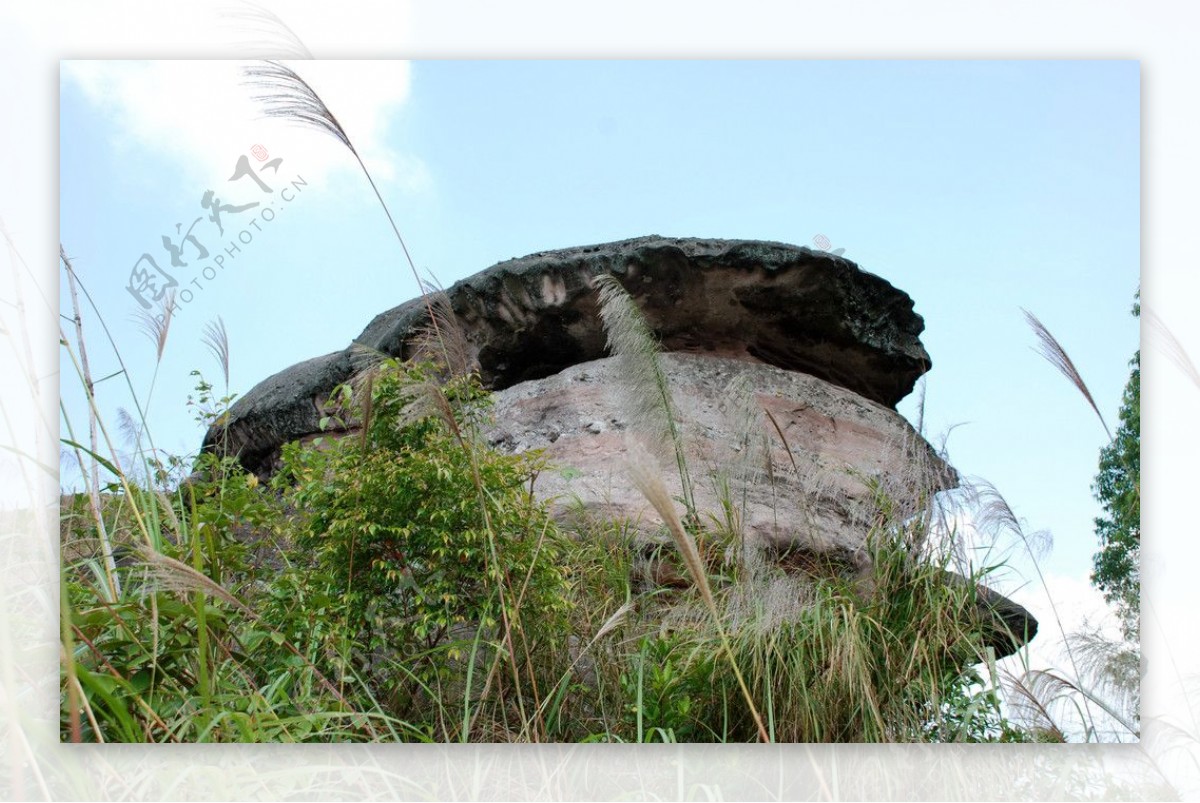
[(783, 305), (785, 365)]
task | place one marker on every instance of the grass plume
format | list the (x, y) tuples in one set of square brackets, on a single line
[(442, 339), (157, 327), (176, 576), (646, 479), (216, 340), (648, 394), (1164, 341), (284, 95), (273, 36), (1056, 355)]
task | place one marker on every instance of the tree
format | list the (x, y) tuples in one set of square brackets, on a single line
[(1118, 489)]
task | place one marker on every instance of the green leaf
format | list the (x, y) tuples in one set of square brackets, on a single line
[(102, 461)]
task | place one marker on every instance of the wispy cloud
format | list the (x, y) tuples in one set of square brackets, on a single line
[(200, 116)]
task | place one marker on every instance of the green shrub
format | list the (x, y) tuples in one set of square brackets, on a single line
[(422, 539)]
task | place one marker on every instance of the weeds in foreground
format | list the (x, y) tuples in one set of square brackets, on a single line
[(401, 583), (359, 598)]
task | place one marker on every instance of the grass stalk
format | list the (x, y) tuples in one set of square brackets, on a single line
[(649, 392), (650, 484), (110, 565), (1056, 355), (284, 95)]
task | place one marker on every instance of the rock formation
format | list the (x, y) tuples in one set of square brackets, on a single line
[(785, 365), (528, 318)]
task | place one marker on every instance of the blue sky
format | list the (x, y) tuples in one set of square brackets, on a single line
[(976, 187)]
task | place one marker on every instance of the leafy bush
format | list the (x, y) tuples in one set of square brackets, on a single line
[(423, 539)]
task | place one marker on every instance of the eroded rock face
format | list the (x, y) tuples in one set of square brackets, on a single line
[(801, 476), (800, 460), (528, 318)]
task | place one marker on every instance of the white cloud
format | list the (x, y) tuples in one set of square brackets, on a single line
[(1077, 604), (200, 116)]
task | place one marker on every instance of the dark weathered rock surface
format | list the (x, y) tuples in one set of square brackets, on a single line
[(281, 408), (1008, 626), (528, 318)]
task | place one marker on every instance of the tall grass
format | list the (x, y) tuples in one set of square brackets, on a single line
[(836, 657), (646, 478), (631, 340), (253, 613), (1056, 355), (89, 387), (191, 535), (284, 95)]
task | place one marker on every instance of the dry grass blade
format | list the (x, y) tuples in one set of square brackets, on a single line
[(156, 327), (644, 475), (216, 339), (420, 400), (130, 431), (286, 96), (173, 575), (994, 516), (1056, 355), (1030, 696), (442, 340), (110, 566), (610, 624), (1166, 343), (1112, 667), (783, 438), (425, 400), (647, 401), (167, 511), (367, 363), (364, 358), (1043, 691)]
